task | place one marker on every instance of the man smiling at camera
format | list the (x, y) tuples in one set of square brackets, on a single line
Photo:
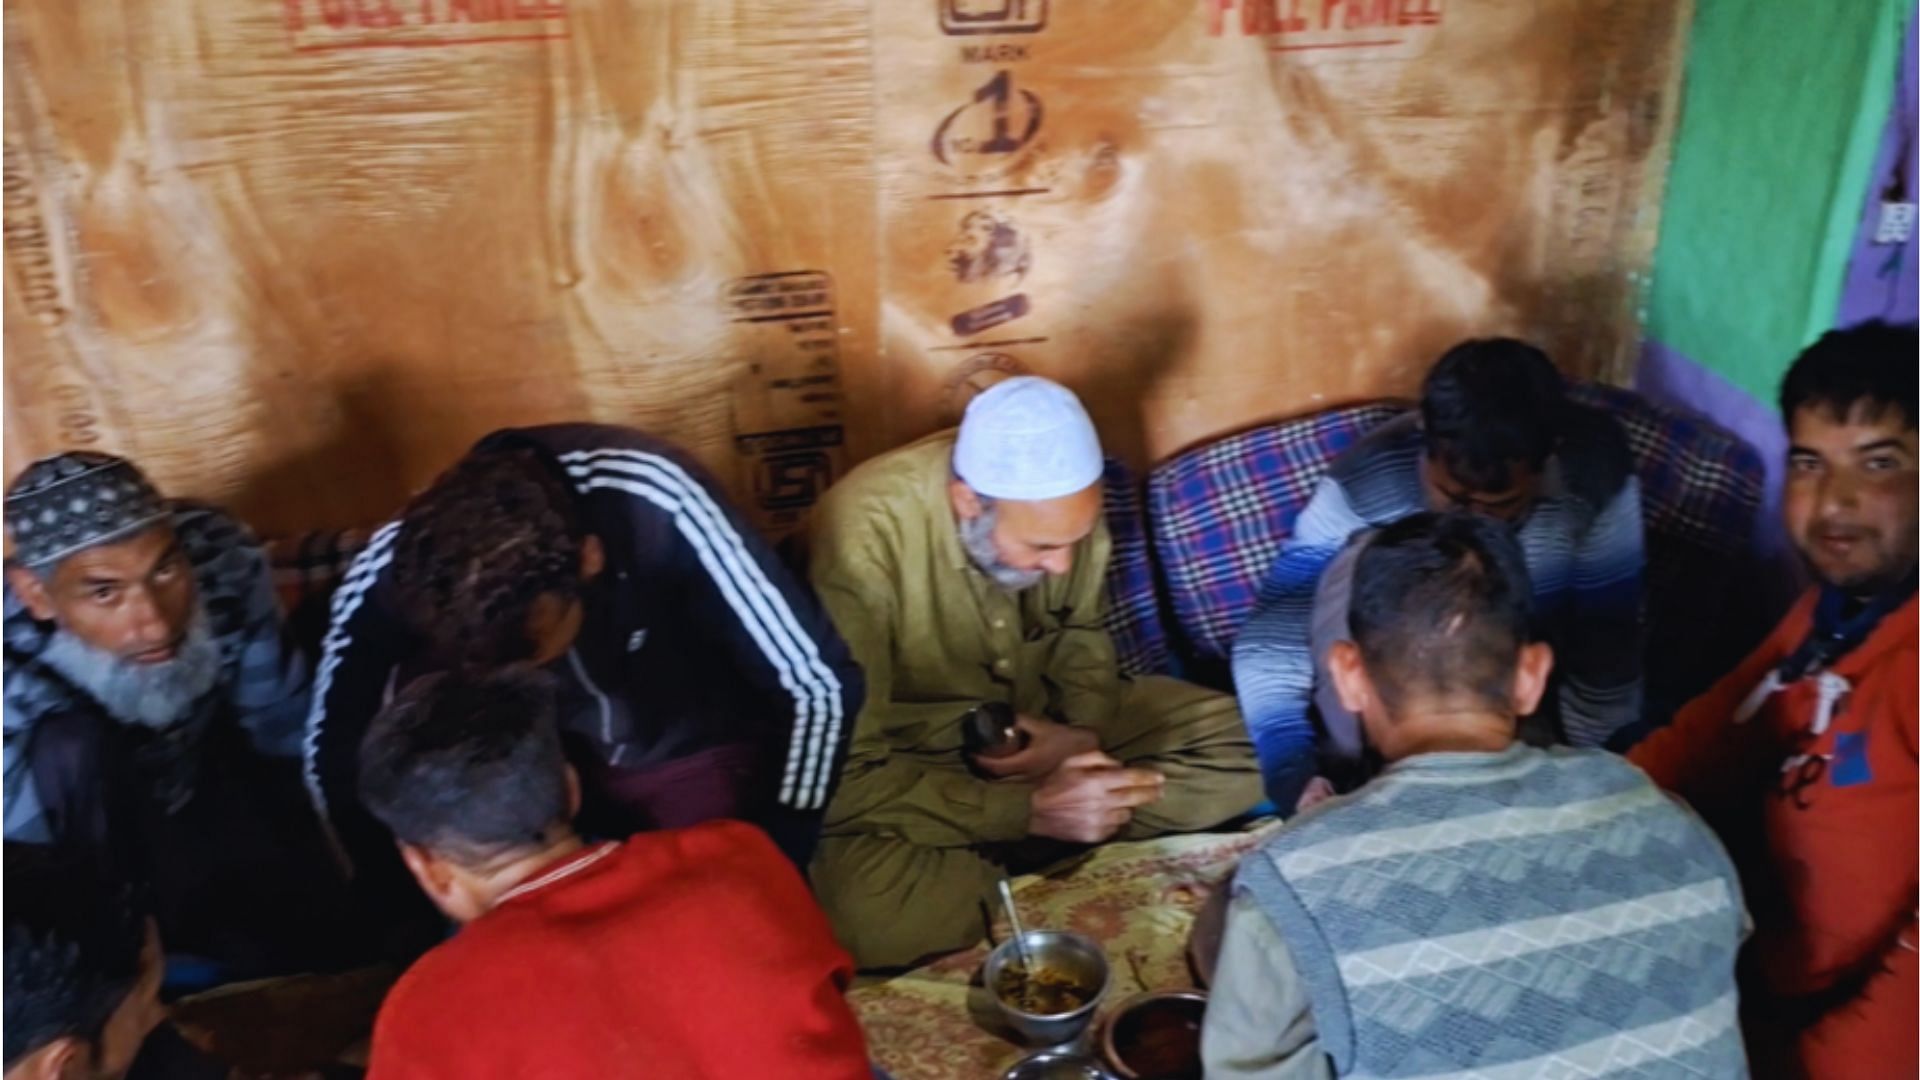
[(1803, 757)]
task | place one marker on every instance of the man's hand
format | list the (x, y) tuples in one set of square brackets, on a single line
[(1090, 797), (1318, 790), (1048, 744)]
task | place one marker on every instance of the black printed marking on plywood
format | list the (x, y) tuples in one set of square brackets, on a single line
[(988, 246), (989, 315), (964, 17), (793, 294), (1000, 120), (793, 467), (1002, 344)]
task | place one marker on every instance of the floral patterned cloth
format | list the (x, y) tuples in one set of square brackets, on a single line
[(1138, 899)]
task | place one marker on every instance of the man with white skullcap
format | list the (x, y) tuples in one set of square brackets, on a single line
[(154, 713), (966, 571)]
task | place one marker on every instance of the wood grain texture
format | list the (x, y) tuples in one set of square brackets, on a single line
[(296, 255)]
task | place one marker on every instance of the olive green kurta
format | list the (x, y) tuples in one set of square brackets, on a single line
[(908, 839)]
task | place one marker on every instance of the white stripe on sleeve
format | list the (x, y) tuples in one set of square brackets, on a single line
[(347, 599), (758, 604)]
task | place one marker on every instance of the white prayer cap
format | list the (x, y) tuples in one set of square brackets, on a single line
[(1027, 439)]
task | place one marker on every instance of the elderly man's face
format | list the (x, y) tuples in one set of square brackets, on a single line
[(1042, 535), (1027, 540), (133, 599)]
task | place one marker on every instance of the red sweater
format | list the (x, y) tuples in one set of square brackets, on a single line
[(688, 953), (1832, 873)]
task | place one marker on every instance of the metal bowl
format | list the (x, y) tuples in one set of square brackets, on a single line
[(1075, 955), (1057, 1065), (1163, 1018)]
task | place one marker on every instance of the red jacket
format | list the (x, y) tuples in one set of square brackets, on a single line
[(1829, 865), (687, 953)]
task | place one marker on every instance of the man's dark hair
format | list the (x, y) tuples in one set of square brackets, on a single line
[(468, 766), (493, 533), (1487, 404), (1871, 367), (73, 945), (1440, 605)]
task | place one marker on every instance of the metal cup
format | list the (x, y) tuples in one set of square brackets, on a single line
[(1076, 956), (1175, 1057)]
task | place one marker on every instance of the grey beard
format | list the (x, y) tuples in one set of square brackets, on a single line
[(154, 696), (976, 536)]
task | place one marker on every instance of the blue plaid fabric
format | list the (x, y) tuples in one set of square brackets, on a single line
[(1214, 519), (1698, 484), (306, 569), (1700, 493), (1219, 514), (1133, 602)]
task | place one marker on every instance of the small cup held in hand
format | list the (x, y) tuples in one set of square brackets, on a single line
[(992, 731)]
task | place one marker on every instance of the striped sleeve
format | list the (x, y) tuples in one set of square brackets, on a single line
[(357, 655), (1273, 654), (1601, 654), (772, 621)]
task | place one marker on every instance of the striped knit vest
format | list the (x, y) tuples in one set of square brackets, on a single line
[(1507, 916)]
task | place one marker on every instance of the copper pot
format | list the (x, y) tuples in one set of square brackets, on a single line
[(1155, 1036)]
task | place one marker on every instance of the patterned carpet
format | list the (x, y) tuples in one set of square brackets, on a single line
[(1139, 900)]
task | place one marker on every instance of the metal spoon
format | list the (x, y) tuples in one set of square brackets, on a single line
[(1019, 934)]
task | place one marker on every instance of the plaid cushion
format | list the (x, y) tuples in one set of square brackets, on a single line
[(1698, 484), (306, 568), (1699, 495), (1133, 602), (1219, 514)]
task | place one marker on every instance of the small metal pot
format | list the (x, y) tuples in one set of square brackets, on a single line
[(1057, 1065), (1075, 955), (1178, 1007)]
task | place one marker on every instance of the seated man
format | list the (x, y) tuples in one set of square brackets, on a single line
[(1494, 435), (966, 570), (1804, 756), (1482, 908), (153, 715), (82, 971), (698, 677), (687, 952)]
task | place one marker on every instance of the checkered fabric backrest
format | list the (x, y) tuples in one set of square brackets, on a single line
[(306, 567), (1133, 601), (1699, 485), (1219, 514)]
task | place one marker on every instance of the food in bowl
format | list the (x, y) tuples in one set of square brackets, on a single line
[(1045, 991), (1157, 1036)]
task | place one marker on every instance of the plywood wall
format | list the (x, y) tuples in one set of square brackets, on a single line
[(297, 254)]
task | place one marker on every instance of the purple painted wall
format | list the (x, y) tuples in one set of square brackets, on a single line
[(1669, 376), (1883, 280)]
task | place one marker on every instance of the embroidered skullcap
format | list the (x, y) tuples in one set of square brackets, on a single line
[(1027, 439), (74, 501)]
